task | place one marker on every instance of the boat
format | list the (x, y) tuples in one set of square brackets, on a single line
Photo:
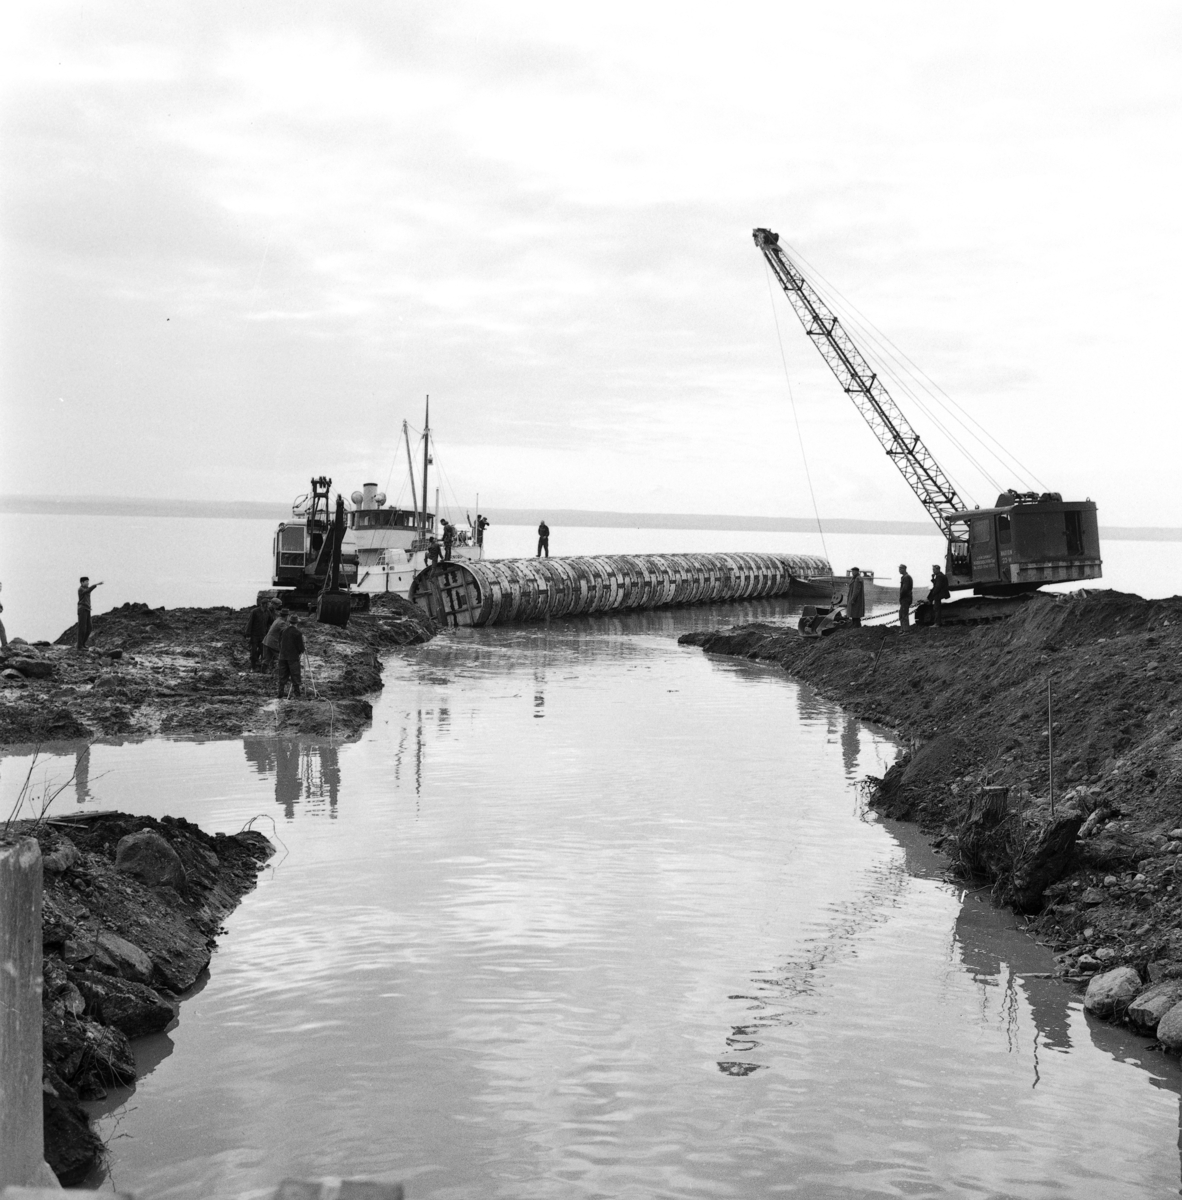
[(393, 544)]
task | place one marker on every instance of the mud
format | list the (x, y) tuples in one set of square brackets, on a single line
[(186, 673), (123, 940), (1101, 876)]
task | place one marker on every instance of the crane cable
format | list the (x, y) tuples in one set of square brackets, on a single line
[(795, 416)]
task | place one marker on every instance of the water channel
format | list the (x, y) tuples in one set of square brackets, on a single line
[(587, 913)]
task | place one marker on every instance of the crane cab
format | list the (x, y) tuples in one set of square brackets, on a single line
[(302, 548), (1024, 541)]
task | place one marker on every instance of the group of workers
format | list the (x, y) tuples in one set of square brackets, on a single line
[(276, 644), (855, 601)]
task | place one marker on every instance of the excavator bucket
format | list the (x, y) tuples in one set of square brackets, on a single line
[(332, 608)]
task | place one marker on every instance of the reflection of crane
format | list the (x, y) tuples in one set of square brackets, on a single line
[(1024, 541)]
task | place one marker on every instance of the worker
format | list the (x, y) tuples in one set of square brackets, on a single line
[(906, 591), (433, 552), (258, 622), (543, 539), (274, 638), (482, 523), (449, 539), (85, 587), (855, 601), (3, 635), (939, 593), (291, 651)]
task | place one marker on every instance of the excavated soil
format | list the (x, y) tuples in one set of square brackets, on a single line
[(1101, 875), (121, 946), (185, 672)]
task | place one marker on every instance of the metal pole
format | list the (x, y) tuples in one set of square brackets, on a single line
[(1050, 747)]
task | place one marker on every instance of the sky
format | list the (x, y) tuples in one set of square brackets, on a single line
[(242, 241)]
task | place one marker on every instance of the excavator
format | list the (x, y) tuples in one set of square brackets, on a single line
[(1003, 553), (312, 567)]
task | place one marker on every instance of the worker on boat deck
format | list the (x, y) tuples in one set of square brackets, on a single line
[(855, 601), (906, 591), (273, 639), (939, 593), (433, 552), (482, 523), (543, 540), (258, 623), (291, 651), (449, 539), (85, 587)]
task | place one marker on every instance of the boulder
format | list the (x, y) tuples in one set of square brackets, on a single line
[(1154, 1002), (1093, 895), (1169, 1028), (32, 668), (1111, 992), (114, 955), (148, 857), (132, 1008), (63, 856)]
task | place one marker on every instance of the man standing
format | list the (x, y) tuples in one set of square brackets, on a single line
[(432, 552), (274, 638), (258, 623), (85, 587), (291, 650), (449, 538), (855, 604), (906, 590), (543, 539), (482, 523), (939, 593)]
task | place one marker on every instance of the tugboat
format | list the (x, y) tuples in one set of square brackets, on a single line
[(394, 544)]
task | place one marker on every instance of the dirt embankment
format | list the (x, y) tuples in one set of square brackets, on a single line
[(1103, 873), (131, 911), (186, 672)]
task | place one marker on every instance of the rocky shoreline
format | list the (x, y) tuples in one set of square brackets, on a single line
[(1098, 877), (131, 911), (185, 672)]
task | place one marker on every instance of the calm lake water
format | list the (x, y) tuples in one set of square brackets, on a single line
[(587, 913)]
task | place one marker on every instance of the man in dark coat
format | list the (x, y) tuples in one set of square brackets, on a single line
[(543, 540), (906, 592), (258, 621), (433, 552), (85, 587), (855, 602), (291, 651), (482, 523), (273, 637), (939, 593), (449, 539)]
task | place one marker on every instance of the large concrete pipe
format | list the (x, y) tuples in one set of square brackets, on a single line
[(496, 591)]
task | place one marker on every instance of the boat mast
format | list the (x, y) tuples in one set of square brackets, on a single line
[(426, 460), (410, 466)]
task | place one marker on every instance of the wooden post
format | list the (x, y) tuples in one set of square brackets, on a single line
[(22, 1144), (1050, 748)]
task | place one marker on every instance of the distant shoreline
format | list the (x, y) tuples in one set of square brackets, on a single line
[(136, 506)]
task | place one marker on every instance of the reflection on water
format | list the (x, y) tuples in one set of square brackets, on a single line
[(648, 945)]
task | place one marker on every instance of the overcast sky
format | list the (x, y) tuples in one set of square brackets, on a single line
[(243, 240)]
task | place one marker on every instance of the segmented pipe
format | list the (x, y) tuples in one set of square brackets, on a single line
[(498, 591)]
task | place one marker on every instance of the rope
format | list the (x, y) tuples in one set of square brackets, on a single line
[(795, 416)]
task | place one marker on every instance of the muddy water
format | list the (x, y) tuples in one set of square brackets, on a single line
[(589, 914)]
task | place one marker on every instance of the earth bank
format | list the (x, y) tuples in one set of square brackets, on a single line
[(185, 672), (1098, 874)]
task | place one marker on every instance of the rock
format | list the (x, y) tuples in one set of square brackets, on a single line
[(1169, 1028), (1154, 1002), (1093, 896), (1111, 993), (148, 857), (132, 1008), (1087, 964), (117, 956), (71, 1149), (63, 856), (32, 668), (1105, 954), (12, 678)]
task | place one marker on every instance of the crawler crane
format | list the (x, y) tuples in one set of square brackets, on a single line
[(1025, 540)]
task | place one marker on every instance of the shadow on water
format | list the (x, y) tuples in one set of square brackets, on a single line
[(305, 772)]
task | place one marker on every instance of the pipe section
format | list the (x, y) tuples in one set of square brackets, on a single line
[(499, 591)]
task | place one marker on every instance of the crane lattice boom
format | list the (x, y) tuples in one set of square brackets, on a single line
[(861, 383)]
